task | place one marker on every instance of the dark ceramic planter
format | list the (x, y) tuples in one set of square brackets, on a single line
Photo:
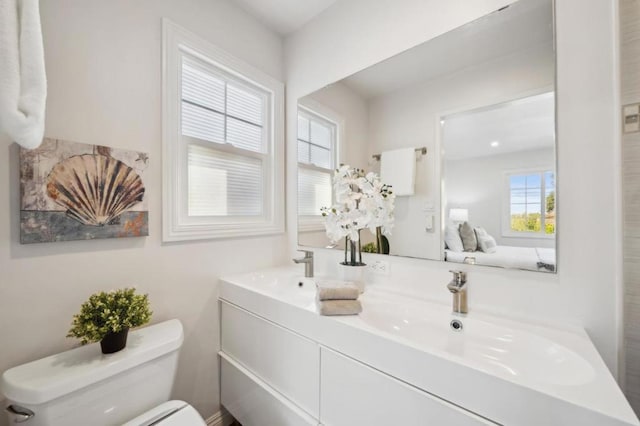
[(114, 342)]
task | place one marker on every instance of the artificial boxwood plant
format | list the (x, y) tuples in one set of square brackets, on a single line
[(110, 312)]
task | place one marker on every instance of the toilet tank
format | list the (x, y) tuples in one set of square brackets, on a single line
[(83, 387)]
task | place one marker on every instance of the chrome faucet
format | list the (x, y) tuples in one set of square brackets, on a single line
[(308, 262), (458, 286)]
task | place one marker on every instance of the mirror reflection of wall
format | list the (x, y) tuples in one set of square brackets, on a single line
[(399, 103)]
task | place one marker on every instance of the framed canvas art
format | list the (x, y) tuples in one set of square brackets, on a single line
[(77, 191)]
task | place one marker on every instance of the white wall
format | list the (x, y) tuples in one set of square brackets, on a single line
[(104, 71), (411, 117), (478, 184), (354, 34)]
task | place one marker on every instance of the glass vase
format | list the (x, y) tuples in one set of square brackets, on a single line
[(352, 269)]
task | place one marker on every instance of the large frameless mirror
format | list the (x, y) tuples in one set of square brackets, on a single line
[(462, 129)]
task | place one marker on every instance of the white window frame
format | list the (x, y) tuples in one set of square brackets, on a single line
[(506, 205), (315, 223), (177, 225)]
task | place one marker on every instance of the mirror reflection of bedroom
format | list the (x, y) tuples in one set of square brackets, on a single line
[(499, 184)]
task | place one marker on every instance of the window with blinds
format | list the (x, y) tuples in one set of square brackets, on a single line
[(223, 125), (316, 140), (316, 162), (314, 191), (222, 143)]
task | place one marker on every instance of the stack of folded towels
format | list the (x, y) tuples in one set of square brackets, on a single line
[(338, 298)]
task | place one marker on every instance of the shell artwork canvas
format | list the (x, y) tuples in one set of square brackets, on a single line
[(76, 191)]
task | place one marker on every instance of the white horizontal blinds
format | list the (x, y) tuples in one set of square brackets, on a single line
[(316, 153), (203, 103), (216, 108), (245, 118), (223, 184), (316, 140), (314, 191), (219, 110)]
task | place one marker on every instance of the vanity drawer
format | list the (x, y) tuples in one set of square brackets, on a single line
[(252, 402), (355, 394), (284, 360)]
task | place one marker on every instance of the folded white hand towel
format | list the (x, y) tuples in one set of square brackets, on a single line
[(23, 82), (337, 290), (339, 307)]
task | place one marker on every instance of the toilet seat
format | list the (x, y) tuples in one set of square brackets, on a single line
[(171, 413)]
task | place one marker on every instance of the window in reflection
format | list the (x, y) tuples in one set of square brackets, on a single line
[(532, 203), (316, 162)]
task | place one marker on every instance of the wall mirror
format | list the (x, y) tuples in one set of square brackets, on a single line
[(464, 127)]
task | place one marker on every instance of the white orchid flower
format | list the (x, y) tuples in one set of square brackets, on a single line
[(362, 201)]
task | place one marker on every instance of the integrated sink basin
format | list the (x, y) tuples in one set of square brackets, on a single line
[(492, 345), (288, 287), (511, 372)]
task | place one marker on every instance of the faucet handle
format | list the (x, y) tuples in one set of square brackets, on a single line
[(460, 277), (307, 253), (308, 262)]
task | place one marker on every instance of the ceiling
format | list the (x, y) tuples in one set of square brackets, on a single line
[(521, 125), (284, 16), (524, 24)]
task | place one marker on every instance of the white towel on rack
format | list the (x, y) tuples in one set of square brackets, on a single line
[(398, 169), (23, 82)]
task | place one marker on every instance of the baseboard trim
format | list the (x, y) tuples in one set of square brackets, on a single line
[(221, 418)]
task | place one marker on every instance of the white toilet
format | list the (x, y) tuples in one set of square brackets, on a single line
[(83, 387)]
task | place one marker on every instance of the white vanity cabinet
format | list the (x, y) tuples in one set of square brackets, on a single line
[(352, 393), (253, 402), (400, 363), (272, 376), (285, 361)]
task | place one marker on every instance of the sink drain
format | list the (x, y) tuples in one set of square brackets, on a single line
[(456, 325)]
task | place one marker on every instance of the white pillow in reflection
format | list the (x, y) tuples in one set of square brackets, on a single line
[(452, 238), (487, 243)]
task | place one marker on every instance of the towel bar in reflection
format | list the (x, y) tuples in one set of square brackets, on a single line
[(422, 151)]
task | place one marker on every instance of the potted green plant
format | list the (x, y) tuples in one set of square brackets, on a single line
[(107, 317)]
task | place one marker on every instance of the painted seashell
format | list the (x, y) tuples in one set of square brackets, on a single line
[(95, 189)]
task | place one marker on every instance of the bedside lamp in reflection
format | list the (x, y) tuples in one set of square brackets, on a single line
[(457, 216)]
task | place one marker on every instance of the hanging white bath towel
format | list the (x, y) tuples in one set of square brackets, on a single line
[(398, 169), (23, 82)]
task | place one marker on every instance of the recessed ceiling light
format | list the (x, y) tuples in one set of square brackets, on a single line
[(494, 144)]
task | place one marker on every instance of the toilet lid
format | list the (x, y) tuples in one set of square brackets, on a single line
[(187, 416), (171, 413)]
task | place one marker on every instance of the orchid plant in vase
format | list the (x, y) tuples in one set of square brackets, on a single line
[(362, 201)]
